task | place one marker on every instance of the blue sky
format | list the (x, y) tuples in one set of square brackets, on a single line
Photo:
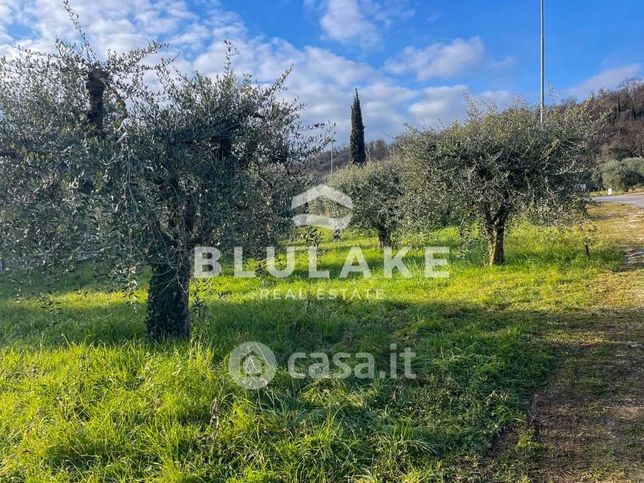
[(414, 61)]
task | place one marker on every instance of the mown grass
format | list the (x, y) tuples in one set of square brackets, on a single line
[(84, 397)]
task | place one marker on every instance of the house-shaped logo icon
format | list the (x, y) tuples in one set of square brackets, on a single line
[(252, 365), (322, 191)]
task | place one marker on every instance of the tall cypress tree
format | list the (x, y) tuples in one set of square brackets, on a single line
[(357, 152)]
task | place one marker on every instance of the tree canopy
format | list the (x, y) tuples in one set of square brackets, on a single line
[(499, 164), (377, 192), (135, 164)]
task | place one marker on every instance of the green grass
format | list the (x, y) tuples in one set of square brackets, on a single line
[(84, 397)]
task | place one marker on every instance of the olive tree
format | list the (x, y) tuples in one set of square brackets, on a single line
[(63, 119), (622, 174), (497, 165), (376, 192), (214, 162), (136, 165)]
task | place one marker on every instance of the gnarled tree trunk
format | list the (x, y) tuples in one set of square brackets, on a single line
[(495, 228), (495, 238), (96, 85), (168, 314), (384, 237)]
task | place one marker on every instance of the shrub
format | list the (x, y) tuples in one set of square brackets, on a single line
[(376, 192), (498, 165), (622, 174)]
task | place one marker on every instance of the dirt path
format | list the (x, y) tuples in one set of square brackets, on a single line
[(589, 420)]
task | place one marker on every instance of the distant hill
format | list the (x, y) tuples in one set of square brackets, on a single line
[(320, 166), (623, 135)]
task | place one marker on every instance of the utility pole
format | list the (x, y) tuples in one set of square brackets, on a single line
[(543, 62), (331, 156)]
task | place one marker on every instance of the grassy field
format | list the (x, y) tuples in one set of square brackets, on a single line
[(83, 397)]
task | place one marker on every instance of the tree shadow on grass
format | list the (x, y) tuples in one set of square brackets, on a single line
[(476, 367), (55, 324)]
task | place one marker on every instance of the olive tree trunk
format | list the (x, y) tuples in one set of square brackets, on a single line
[(384, 237), (495, 228), (496, 237), (168, 313)]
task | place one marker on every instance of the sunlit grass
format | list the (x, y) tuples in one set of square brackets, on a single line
[(84, 397)]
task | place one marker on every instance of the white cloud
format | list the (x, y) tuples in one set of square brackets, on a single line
[(358, 22), (343, 21), (387, 12), (323, 80), (503, 63), (6, 12), (607, 79), (119, 24), (441, 106), (438, 60)]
